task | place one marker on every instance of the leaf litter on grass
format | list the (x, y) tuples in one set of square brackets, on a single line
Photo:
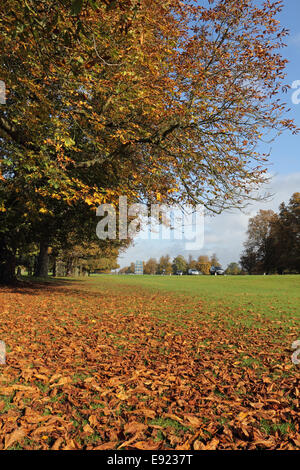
[(102, 369)]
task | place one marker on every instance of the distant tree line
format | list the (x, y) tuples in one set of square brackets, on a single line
[(180, 264), (273, 244)]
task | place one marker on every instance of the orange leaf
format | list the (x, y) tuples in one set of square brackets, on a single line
[(16, 436)]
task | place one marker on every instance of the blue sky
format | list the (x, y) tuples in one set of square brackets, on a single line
[(285, 151), (225, 234)]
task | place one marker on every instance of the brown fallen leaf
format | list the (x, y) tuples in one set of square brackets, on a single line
[(146, 445), (70, 445), (42, 377), (87, 429), (43, 430), (122, 395), (25, 388), (130, 441), (297, 441), (198, 445), (93, 420), (106, 446), (54, 377), (172, 416), (57, 443), (212, 445), (16, 436), (62, 381), (134, 427), (265, 442), (194, 421), (147, 413)]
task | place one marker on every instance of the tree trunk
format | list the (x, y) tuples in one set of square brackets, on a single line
[(54, 267), (42, 265), (69, 268), (7, 265)]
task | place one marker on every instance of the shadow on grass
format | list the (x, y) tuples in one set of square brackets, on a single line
[(33, 285)]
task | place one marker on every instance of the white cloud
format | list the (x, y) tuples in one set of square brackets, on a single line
[(224, 234)]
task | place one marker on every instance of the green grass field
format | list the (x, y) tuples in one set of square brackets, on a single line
[(275, 297)]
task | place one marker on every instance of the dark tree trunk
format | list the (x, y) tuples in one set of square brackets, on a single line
[(42, 265), (54, 267), (70, 268), (7, 265)]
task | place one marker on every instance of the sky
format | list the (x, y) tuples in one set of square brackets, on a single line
[(225, 234)]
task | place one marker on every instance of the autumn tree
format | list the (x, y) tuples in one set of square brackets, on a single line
[(248, 260), (191, 263), (233, 269), (203, 264), (273, 240), (131, 269), (286, 236), (164, 265), (260, 242), (179, 264), (88, 257), (151, 99), (214, 261), (150, 266)]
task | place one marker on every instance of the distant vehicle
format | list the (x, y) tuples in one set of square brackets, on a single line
[(216, 271), (193, 272), (179, 273)]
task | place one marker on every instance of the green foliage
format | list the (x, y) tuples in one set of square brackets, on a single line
[(233, 268), (273, 240), (179, 264)]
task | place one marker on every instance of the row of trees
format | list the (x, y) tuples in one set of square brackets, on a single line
[(153, 100), (76, 260), (167, 266), (273, 244)]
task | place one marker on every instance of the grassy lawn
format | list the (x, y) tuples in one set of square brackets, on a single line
[(276, 297), (151, 362)]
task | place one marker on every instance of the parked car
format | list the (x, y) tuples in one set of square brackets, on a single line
[(216, 271), (179, 273), (193, 272)]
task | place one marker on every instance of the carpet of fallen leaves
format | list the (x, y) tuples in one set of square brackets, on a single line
[(105, 368)]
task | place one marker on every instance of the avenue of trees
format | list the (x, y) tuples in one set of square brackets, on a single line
[(153, 100), (273, 244)]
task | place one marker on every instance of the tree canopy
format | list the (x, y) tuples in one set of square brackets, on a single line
[(149, 99), (273, 244)]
